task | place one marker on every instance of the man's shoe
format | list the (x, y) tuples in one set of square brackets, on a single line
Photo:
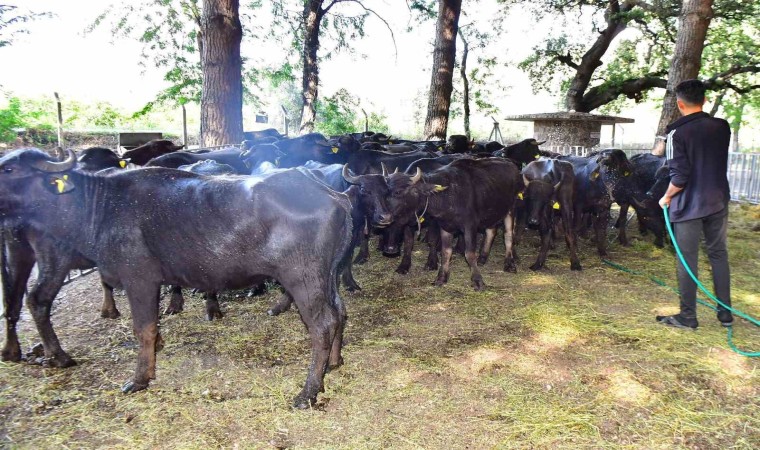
[(725, 317), (678, 321)]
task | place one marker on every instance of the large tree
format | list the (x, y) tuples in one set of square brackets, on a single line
[(13, 20), (593, 77), (222, 94), (687, 58), (444, 58)]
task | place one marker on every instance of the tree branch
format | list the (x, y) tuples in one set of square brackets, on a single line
[(566, 60), (632, 88), (387, 25)]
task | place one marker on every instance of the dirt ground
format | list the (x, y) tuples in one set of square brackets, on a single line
[(538, 360)]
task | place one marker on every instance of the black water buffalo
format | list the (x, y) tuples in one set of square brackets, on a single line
[(315, 147), (230, 156), (153, 149), (209, 167), (522, 153), (549, 186), (371, 161), (645, 166), (648, 209), (181, 235), (98, 158), (458, 143), (262, 136), (465, 196), (24, 246)]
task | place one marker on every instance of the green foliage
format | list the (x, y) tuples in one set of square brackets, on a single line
[(11, 118), (341, 113)]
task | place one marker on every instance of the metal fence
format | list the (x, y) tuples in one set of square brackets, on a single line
[(744, 176)]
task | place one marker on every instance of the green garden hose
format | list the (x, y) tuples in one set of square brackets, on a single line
[(747, 317)]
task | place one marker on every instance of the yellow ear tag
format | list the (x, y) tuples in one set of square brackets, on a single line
[(520, 196), (594, 175), (420, 220), (335, 149), (439, 188), (60, 185), (66, 177), (555, 205), (626, 173), (538, 155), (390, 142), (122, 164)]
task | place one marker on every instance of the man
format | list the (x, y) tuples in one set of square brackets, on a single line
[(697, 198)]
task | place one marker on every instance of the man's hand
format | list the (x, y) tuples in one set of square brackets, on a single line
[(665, 201)]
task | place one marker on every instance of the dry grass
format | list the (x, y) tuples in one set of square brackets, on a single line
[(538, 360)]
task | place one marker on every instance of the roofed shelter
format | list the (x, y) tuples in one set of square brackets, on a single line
[(570, 129)]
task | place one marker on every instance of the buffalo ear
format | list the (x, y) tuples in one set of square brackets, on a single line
[(59, 184)]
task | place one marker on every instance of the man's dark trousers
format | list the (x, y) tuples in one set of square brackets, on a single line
[(688, 234)]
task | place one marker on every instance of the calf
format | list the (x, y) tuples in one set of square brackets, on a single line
[(230, 156), (307, 235), (465, 196), (549, 186)]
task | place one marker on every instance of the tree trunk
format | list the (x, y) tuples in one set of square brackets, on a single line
[(736, 124), (312, 17), (687, 58), (592, 59), (441, 83), (222, 96), (466, 85), (716, 104)]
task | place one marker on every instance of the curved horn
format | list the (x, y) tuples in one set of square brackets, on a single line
[(559, 183), (417, 176), (348, 177), (385, 169), (526, 181), (56, 167), (396, 171), (539, 143)]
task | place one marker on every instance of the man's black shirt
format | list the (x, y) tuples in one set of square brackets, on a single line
[(699, 165)]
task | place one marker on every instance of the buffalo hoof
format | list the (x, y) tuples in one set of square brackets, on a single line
[(482, 260), (60, 361), (602, 253), (172, 310), (536, 267), (213, 312), (402, 269), (575, 266), (11, 353), (510, 267), (353, 287), (361, 259), (658, 243), (110, 313), (133, 386), (335, 366), (625, 243), (304, 402), (478, 285), (440, 282), (431, 267)]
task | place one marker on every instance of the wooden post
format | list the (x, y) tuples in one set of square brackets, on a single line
[(60, 124), (184, 126), (366, 121), (285, 118)]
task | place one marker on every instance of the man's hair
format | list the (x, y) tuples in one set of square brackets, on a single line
[(691, 92)]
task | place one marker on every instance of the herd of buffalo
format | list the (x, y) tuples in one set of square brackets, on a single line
[(291, 210)]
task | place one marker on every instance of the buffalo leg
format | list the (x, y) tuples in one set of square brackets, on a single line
[(470, 254), (143, 301), (622, 223), (600, 226), (446, 252), (323, 323), (363, 255), (213, 311), (347, 276), (487, 244), (509, 231), (406, 259), (108, 309), (20, 259), (176, 301), (571, 239), (433, 241), (544, 231), (336, 359), (39, 301)]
